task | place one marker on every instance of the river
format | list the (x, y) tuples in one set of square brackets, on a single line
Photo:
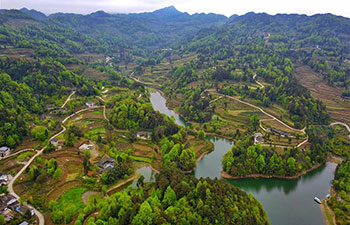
[(286, 202)]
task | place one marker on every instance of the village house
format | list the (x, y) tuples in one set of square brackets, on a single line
[(54, 142), (23, 210), (258, 138), (24, 223), (4, 178), (105, 164), (4, 151), (8, 202), (278, 132), (90, 104), (8, 214), (145, 135), (84, 147)]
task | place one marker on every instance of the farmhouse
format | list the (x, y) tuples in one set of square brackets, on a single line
[(83, 147), (145, 135), (8, 201), (54, 142), (90, 104), (24, 209), (4, 177), (278, 132), (258, 138), (105, 164), (4, 151)]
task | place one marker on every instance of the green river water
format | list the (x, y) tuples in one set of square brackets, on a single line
[(286, 202)]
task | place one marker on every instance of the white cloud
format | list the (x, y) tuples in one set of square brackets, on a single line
[(227, 7)]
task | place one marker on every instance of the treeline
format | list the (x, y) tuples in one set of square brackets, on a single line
[(340, 203), (245, 158), (132, 112), (174, 151), (177, 199)]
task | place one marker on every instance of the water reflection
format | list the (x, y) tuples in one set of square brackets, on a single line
[(286, 202)]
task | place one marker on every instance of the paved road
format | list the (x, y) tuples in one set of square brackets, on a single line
[(342, 124), (256, 81), (16, 153), (68, 99), (10, 186), (214, 100), (104, 107), (261, 110)]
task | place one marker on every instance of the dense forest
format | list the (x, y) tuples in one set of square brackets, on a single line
[(175, 198), (27, 88), (340, 204), (245, 158)]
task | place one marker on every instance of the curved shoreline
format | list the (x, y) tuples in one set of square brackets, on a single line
[(228, 176)]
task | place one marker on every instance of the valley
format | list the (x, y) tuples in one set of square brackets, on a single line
[(171, 118)]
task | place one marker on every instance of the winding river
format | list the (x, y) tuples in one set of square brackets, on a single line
[(286, 202)]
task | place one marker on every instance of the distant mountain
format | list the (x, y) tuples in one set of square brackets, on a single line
[(34, 14), (149, 31)]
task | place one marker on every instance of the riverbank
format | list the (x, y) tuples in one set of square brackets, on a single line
[(328, 213), (228, 176)]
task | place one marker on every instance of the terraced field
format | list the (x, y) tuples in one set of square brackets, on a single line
[(338, 108)]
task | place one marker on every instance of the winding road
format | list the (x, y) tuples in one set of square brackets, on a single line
[(10, 185), (16, 153), (256, 81), (68, 99), (261, 110), (342, 124)]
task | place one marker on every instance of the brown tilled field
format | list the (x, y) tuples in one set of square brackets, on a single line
[(338, 108)]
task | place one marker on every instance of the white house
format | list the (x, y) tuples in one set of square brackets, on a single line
[(54, 142), (4, 151), (90, 104), (4, 177), (83, 147), (145, 135)]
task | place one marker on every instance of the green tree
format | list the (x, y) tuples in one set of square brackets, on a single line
[(260, 161), (169, 196), (144, 216), (254, 121), (40, 133)]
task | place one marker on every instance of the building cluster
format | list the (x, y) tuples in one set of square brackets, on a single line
[(10, 208)]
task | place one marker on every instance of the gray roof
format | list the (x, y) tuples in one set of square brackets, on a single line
[(4, 149)]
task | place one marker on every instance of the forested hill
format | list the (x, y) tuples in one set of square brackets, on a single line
[(321, 41), (145, 30)]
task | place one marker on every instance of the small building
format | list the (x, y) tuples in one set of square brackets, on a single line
[(278, 132), (54, 142), (90, 104), (4, 177), (258, 138), (24, 210), (8, 214), (145, 135), (24, 223), (105, 164), (58, 111), (8, 201), (84, 147), (4, 151)]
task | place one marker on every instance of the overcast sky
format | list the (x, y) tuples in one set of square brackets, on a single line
[(226, 7)]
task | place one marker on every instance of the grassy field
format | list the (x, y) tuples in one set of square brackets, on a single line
[(72, 197)]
